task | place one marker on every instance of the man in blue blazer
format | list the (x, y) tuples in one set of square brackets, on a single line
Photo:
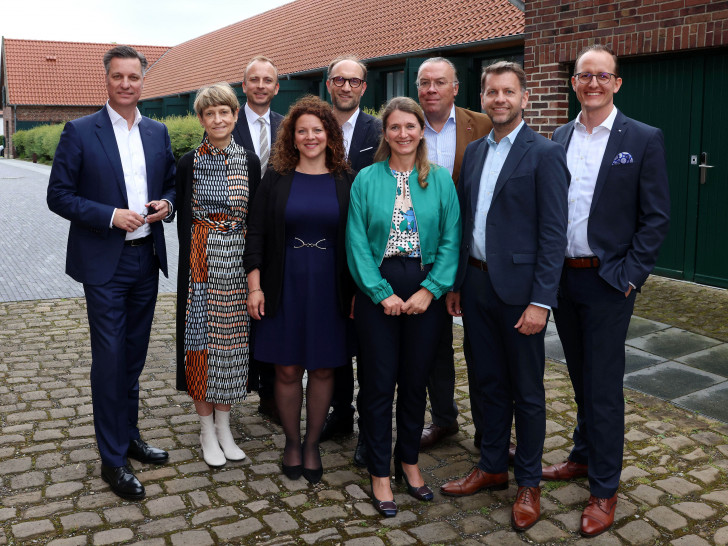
[(346, 82), (257, 129), (113, 178), (619, 207), (512, 191)]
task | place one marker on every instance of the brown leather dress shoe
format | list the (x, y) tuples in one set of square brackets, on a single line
[(511, 452), (568, 470), (526, 508), (598, 516), (474, 482), (433, 433)]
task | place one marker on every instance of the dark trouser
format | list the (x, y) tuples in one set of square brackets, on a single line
[(120, 315), (592, 320), (508, 369), (343, 397), (441, 380), (267, 379), (394, 351)]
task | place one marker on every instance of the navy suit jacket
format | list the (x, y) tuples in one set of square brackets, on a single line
[(364, 141), (525, 236), (241, 132), (630, 210), (87, 184)]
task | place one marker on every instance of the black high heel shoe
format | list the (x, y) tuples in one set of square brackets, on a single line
[(292, 472), (422, 493), (386, 508), (312, 475)]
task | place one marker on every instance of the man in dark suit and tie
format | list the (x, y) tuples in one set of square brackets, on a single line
[(256, 130), (346, 81), (619, 207), (113, 178), (448, 131), (512, 191)]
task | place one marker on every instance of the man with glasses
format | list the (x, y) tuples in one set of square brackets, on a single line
[(619, 208), (448, 131), (256, 130), (113, 178), (346, 82)]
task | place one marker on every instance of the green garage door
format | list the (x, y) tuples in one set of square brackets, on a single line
[(684, 96)]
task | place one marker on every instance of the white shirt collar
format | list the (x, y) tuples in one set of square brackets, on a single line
[(608, 123), (252, 117), (115, 116), (352, 120)]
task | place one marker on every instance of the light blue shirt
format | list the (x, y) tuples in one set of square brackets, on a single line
[(441, 146), (494, 160)]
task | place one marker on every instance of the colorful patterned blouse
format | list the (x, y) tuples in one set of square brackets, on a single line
[(403, 237)]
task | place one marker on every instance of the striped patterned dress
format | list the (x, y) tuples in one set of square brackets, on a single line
[(217, 324)]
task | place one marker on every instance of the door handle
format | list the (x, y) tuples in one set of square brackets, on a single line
[(703, 166)]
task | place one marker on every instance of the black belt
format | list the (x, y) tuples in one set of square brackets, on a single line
[(588, 262), (138, 242), (475, 262)]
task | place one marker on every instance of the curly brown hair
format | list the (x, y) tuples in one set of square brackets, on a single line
[(285, 156)]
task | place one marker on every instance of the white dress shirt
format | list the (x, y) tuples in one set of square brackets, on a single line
[(441, 146), (254, 127), (584, 158), (348, 130), (134, 165)]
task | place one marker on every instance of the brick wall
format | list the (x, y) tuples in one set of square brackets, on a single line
[(45, 114), (557, 30)]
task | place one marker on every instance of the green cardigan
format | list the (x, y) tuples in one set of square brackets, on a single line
[(370, 218)]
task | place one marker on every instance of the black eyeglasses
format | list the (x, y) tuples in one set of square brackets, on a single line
[(339, 81), (586, 77)]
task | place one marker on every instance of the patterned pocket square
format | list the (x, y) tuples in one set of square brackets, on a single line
[(623, 158)]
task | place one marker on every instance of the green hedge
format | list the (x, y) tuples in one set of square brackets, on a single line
[(185, 133)]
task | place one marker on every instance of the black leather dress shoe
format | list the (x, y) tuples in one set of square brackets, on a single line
[(123, 482), (360, 453), (337, 422), (140, 451)]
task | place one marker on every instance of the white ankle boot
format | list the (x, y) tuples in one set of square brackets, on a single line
[(225, 437), (211, 451)]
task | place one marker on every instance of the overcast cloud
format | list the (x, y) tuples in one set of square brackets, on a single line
[(140, 22)]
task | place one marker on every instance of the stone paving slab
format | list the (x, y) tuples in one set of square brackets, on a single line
[(674, 487)]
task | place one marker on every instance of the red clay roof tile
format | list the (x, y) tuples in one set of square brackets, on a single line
[(306, 34), (59, 73)]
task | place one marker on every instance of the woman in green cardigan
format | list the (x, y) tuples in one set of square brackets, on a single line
[(402, 242)]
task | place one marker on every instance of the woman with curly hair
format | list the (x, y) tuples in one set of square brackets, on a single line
[(299, 285)]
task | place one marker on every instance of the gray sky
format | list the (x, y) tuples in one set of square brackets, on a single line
[(142, 22)]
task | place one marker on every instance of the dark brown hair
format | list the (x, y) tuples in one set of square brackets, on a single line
[(124, 52), (502, 67), (285, 156)]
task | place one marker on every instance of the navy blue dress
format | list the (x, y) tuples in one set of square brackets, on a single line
[(308, 329)]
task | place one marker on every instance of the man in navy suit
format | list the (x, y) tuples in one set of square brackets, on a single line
[(113, 178), (346, 81), (256, 130), (512, 191), (618, 217)]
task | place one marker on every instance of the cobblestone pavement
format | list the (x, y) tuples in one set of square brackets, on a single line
[(674, 485), (33, 239)]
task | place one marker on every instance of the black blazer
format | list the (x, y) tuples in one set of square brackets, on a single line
[(364, 141), (265, 241), (184, 234), (241, 132)]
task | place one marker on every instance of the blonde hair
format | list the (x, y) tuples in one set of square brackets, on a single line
[(405, 104)]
